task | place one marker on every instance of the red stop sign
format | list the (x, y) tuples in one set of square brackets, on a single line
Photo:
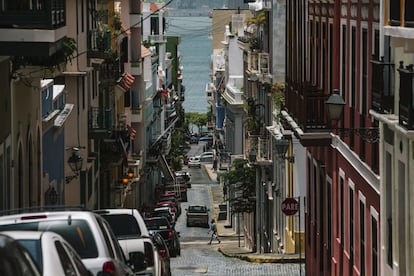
[(290, 206)]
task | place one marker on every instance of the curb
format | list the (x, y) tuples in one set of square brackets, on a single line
[(262, 258)]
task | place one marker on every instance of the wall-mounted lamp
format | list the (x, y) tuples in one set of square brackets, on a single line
[(75, 163), (281, 146), (51, 196), (335, 109), (130, 173)]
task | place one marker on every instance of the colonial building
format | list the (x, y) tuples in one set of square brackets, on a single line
[(330, 47)]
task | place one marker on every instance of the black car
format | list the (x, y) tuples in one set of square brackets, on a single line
[(162, 226)]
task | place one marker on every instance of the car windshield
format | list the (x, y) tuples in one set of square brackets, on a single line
[(197, 209), (34, 247), (124, 226), (76, 232)]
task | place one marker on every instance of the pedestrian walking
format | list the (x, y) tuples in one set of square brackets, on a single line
[(213, 232)]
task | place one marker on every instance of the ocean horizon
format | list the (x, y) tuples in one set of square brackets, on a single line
[(196, 49)]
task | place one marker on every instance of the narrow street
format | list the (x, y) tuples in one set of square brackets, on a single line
[(197, 257)]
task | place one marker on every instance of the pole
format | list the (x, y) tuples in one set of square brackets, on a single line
[(238, 226), (300, 245)]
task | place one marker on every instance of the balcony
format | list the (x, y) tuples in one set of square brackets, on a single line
[(382, 100), (252, 66), (157, 39), (406, 104), (401, 13), (100, 123), (109, 71), (306, 105), (37, 29), (99, 44)]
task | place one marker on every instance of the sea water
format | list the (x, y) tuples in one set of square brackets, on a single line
[(196, 50)]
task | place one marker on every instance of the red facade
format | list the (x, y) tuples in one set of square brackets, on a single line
[(331, 46)]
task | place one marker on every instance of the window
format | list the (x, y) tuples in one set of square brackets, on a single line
[(329, 222), (351, 228), (77, 233), (388, 206), (374, 237), (362, 236), (342, 185), (123, 226), (77, 261), (67, 265)]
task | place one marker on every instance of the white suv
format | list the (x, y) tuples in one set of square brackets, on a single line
[(88, 233), (134, 238)]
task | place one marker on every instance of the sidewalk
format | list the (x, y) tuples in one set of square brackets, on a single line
[(234, 251)]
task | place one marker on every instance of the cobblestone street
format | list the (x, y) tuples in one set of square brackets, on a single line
[(198, 258)]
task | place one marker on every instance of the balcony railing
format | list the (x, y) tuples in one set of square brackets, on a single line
[(109, 71), (51, 15), (157, 38), (403, 17), (382, 100), (100, 122), (306, 104), (406, 104), (99, 44)]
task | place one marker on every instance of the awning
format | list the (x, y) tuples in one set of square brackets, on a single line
[(61, 118), (165, 168), (126, 81)]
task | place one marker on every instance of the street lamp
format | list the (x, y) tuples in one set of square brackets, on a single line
[(335, 108), (75, 163)]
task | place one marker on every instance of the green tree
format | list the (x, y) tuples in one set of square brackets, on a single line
[(195, 119), (241, 179)]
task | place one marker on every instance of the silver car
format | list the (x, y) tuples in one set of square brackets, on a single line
[(52, 254), (88, 233)]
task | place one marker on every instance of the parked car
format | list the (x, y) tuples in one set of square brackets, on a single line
[(172, 198), (169, 204), (88, 233), (194, 161), (179, 190), (186, 176), (163, 253), (197, 215), (206, 139), (206, 157), (164, 212), (133, 236), (15, 259), (162, 226), (52, 254)]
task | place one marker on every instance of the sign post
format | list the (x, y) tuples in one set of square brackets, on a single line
[(290, 206)]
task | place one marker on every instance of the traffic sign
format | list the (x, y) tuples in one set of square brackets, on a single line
[(290, 206)]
